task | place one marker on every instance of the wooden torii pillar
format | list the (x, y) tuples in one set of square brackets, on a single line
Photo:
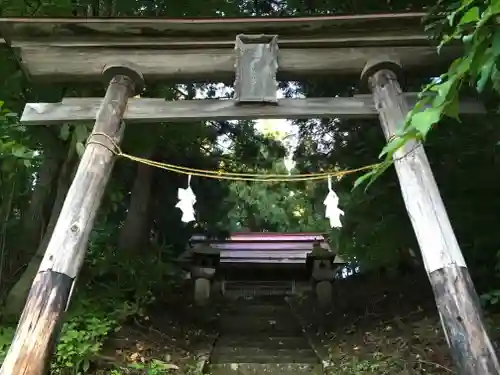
[(456, 298), (41, 320)]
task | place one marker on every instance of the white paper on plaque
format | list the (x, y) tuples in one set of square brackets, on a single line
[(187, 199), (332, 211)]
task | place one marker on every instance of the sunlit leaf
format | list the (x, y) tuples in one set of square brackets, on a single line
[(423, 121), (472, 15), (392, 146)]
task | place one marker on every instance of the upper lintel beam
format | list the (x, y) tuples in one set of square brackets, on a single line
[(57, 28), (180, 50)]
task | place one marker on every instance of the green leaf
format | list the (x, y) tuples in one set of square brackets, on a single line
[(443, 90), (423, 121), (452, 108), (64, 133), (81, 133), (392, 146), (495, 78), (379, 171), (485, 73), (19, 152), (466, 39), (495, 44), (472, 15), (490, 11), (362, 179), (80, 148), (86, 365)]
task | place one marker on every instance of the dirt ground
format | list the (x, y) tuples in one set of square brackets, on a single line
[(378, 325), (171, 337), (382, 325)]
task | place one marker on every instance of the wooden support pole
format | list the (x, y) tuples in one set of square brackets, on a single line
[(41, 320), (456, 298)]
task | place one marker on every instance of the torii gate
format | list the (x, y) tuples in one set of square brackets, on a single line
[(127, 52)]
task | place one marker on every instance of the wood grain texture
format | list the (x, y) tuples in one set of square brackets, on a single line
[(154, 110), (157, 27), (60, 64), (40, 323), (455, 295), (183, 42), (423, 201), (458, 304), (36, 335), (83, 199), (256, 66), (64, 50)]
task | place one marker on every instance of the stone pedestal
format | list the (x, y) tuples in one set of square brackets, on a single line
[(323, 269), (204, 266)]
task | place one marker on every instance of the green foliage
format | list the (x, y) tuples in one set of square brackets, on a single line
[(475, 25), (99, 309), (13, 150), (81, 340), (154, 367), (379, 364), (115, 285), (275, 206), (491, 298), (6, 335)]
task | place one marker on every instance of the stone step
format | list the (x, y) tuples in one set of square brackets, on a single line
[(265, 368), (262, 355), (258, 300), (284, 316), (257, 289), (255, 304), (276, 319), (261, 336), (260, 328), (264, 341)]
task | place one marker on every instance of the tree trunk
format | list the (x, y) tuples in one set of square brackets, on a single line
[(17, 295), (5, 210), (134, 235), (33, 223)]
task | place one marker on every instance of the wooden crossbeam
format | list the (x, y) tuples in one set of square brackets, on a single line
[(145, 110), (180, 50), (84, 64), (72, 50), (37, 27)]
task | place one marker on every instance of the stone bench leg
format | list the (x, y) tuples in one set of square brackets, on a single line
[(323, 275), (324, 293), (202, 288), (202, 284)]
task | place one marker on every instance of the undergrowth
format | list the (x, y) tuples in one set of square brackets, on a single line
[(370, 335), (111, 292)]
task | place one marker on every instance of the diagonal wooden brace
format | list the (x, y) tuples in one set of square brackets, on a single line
[(456, 299), (41, 320)]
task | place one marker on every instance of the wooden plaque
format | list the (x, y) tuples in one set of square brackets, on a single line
[(256, 66)]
